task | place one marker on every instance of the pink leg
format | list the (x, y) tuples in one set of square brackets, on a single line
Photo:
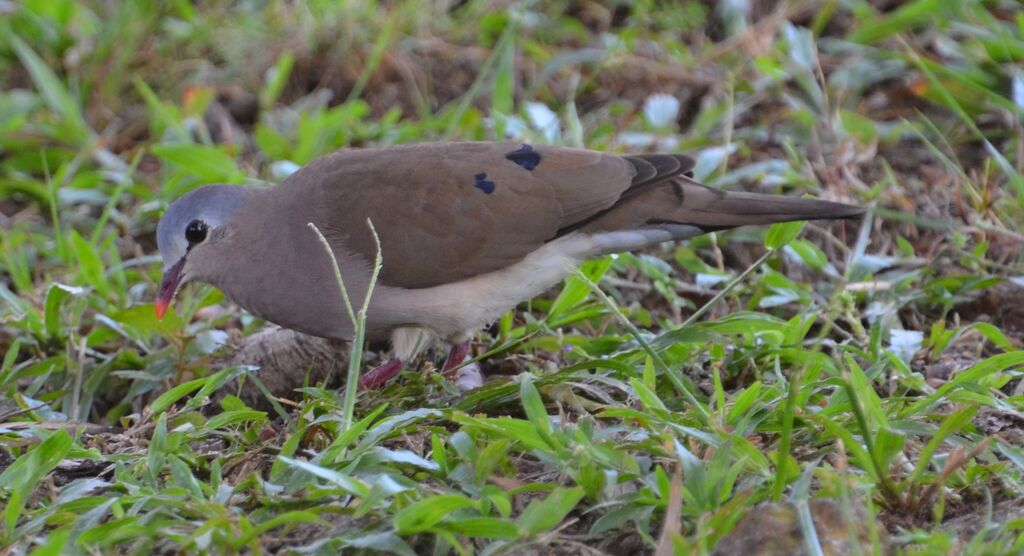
[(456, 356), (380, 375)]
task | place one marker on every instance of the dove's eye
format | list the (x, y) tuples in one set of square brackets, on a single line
[(195, 232)]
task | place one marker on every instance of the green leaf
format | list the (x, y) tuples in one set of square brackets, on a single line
[(524, 432), (489, 459), (229, 418), (112, 533), (168, 398), (214, 382), (293, 517), (951, 425), (377, 543), (274, 145), (888, 444), (54, 543), (904, 19), (646, 395), (157, 448), (534, 406), (685, 335), (335, 451), (287, 449), (867, 397), (351, 485), (501, 499), (163, 115), (992, 334), (56, 295), (89, 263), (744, 401), (542, 515), (975, 373), (12, 510), (424, 514), (576, 289), (862, 129), (182, 477), (782, 233), (53, 91), (809, 253), (277, 78), (27, 470), (438, 452), (207, 163), (861, 457), (484, 527)]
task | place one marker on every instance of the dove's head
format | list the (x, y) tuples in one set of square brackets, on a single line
[(190, 225)]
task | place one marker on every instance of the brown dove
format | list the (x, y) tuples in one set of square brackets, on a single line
[(467, 231)]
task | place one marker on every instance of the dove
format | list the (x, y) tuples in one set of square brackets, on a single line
[(467, 231)]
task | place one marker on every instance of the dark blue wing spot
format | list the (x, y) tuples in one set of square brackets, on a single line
[(525, 156), (484, 184)]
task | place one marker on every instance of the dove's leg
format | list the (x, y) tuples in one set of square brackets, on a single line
[(456, 356), (405, 344), (381, 374)]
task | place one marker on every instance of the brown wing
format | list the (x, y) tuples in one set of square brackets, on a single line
[(449, 211)]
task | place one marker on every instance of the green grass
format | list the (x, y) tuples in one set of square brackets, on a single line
[(648, 404)]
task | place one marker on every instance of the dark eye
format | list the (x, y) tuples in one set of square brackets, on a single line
[(195, 232)]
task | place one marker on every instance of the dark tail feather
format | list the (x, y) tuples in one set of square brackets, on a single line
[(710, 209), (685, 208)]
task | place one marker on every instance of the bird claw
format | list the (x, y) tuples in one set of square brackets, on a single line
[(466, 376)]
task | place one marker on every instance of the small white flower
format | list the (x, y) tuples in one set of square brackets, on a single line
[(905, 343), (711, 158), (515, 127), (708, 281), (661, 110), (283, 168), (636, 140), (543, 120), (1017, 88)]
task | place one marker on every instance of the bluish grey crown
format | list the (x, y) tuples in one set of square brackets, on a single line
[(212, 204)]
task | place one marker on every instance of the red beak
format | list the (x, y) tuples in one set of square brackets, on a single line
[(168, 287)]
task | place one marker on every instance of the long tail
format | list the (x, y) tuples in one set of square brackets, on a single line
[(683, 208), (711, 209)]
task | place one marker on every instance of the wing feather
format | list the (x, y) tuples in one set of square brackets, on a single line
[(445, 212)]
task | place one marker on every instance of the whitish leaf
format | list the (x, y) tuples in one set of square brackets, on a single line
[(403, 456), (349, 484)]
